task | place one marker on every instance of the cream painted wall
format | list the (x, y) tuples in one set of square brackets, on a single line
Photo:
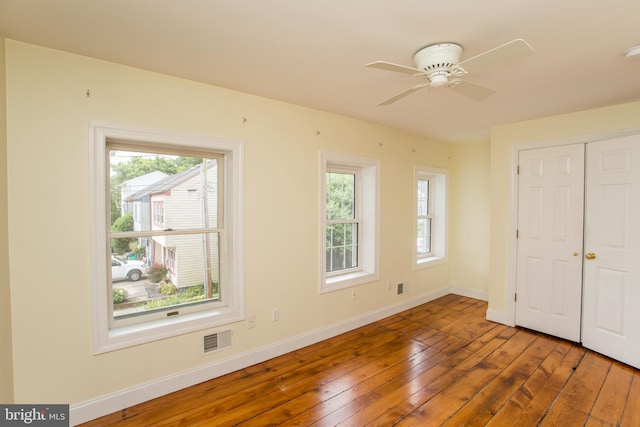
[(584, 123), (6, 359), (469, 203), (47, 155)]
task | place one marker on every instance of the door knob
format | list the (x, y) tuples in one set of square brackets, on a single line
[(590, 255)]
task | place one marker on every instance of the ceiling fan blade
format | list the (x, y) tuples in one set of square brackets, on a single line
[(383, 65), (511, 51), (472, 90), (402, 94)]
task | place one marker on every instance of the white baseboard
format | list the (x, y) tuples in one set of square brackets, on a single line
[(499, 317), (107, 404), (470, 293)]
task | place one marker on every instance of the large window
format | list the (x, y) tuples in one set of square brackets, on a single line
[(430, 216), (349, 221), (175, 266)]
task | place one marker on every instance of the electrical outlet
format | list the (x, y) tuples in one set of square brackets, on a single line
[(275, 315), (252, 321), (388, 285)]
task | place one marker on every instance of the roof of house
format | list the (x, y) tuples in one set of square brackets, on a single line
[(167, 183)]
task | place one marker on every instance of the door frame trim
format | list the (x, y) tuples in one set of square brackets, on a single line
[(510, 315)]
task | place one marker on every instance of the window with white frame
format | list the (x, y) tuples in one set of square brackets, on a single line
[(349, 221), (425, 215), (171, 261), (430, 216), (157, 211), (188, 234), (343, 221)]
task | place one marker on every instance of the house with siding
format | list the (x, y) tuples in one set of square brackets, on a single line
[(134, 185), (183, 201)]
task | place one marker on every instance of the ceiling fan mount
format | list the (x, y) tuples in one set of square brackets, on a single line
[(441, 61)]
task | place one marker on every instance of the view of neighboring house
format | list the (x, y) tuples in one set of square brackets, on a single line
[(186, 200), (133, 185)]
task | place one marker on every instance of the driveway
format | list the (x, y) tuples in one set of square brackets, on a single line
[(134, 289)]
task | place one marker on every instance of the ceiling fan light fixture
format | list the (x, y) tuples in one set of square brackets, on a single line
[(438, 79)]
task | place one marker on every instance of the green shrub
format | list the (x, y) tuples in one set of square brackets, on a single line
[(193, 291), (119, 295), (168, 288), (137, 250), (124, 223), (157, 272)]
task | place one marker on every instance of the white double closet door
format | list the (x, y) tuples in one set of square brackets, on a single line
[(578, 251)]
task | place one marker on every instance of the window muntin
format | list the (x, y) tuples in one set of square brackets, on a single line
[(342, 221)]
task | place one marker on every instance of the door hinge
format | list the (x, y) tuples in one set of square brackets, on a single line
[(518, 170), (515, 297), (517, 234)]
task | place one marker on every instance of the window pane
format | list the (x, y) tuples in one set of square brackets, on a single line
[(165, 271), (424, 236), (423, 198), (154, 191), (342, 247), (340, 195)]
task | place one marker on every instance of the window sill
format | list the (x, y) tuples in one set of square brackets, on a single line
[(348, 280), (429, 262), (131, 335)]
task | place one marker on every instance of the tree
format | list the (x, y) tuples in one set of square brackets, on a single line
[(123, 223), (341, 234)]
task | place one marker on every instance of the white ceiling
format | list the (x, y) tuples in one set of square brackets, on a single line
[(312, 53)]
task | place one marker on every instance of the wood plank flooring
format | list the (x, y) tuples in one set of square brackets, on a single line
[(439, 364)]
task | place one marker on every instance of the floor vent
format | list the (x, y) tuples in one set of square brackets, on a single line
[(217, 341)]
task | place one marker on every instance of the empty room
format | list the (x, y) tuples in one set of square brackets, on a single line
[(319, 213)]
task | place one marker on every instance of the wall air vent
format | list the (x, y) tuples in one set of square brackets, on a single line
[(402, 288), (217, 341)]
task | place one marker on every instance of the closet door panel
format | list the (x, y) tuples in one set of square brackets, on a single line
[(549, 261), (611, 306)]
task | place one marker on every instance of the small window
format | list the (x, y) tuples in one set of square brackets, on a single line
[(167, 217), (425, 216), (157, 212), (430, 216), (343, 221), (349, 221)]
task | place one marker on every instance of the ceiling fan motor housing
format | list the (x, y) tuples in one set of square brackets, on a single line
[(438, 61)]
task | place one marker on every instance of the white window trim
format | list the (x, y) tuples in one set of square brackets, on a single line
[(439, 223), (368, 271), (108, 339)]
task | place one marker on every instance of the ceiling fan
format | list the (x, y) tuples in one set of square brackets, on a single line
[(440, 65)]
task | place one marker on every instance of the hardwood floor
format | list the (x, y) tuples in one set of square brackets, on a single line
[(441, 363)]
